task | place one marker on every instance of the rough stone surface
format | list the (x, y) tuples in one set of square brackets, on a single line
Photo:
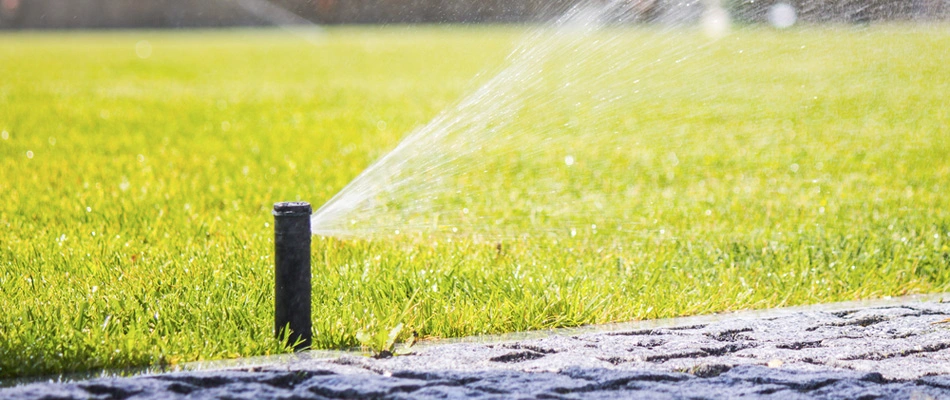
[(895, 350)]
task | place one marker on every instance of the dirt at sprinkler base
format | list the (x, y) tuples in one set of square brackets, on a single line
[(897, 348)]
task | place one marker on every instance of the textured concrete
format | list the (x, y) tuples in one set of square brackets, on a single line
[(570, 383), (896, 349)]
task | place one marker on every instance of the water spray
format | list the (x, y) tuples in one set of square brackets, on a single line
[(283, 18), (292, 237)]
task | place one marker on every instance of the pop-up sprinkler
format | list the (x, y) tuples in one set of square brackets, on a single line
[(292, 272)]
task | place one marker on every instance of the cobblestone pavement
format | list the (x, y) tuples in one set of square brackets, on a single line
[(887, 349)]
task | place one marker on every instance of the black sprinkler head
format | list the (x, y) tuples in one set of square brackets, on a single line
[(292, 238)]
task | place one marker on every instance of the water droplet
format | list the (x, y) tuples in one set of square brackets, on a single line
[(673, 159), (52, 141), (5, 135), (88, 209), (716, 22), (782, 15), (464, 211), (143, 49), (569, 160), (793, 167), (29, 154)]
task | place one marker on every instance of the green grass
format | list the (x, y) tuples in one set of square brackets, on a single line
[(138, 232)]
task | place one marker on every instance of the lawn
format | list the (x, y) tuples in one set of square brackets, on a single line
[(769, 169)]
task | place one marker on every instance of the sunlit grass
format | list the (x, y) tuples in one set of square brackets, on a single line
[(135, 220)]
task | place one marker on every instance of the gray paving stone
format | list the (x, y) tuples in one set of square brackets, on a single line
[(569, 383), (897, 350)]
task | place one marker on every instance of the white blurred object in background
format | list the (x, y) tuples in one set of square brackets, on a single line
[(782, 15), (715, 20)]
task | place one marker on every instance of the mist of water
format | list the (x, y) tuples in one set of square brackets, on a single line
[(283, 18), (551, 142), (539, 118)]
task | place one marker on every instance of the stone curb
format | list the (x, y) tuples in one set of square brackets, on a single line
[(897, 348)]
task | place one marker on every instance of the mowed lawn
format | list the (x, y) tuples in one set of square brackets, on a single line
[(135, 193)]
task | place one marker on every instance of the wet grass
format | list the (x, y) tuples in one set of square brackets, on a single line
[(135, 221)]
